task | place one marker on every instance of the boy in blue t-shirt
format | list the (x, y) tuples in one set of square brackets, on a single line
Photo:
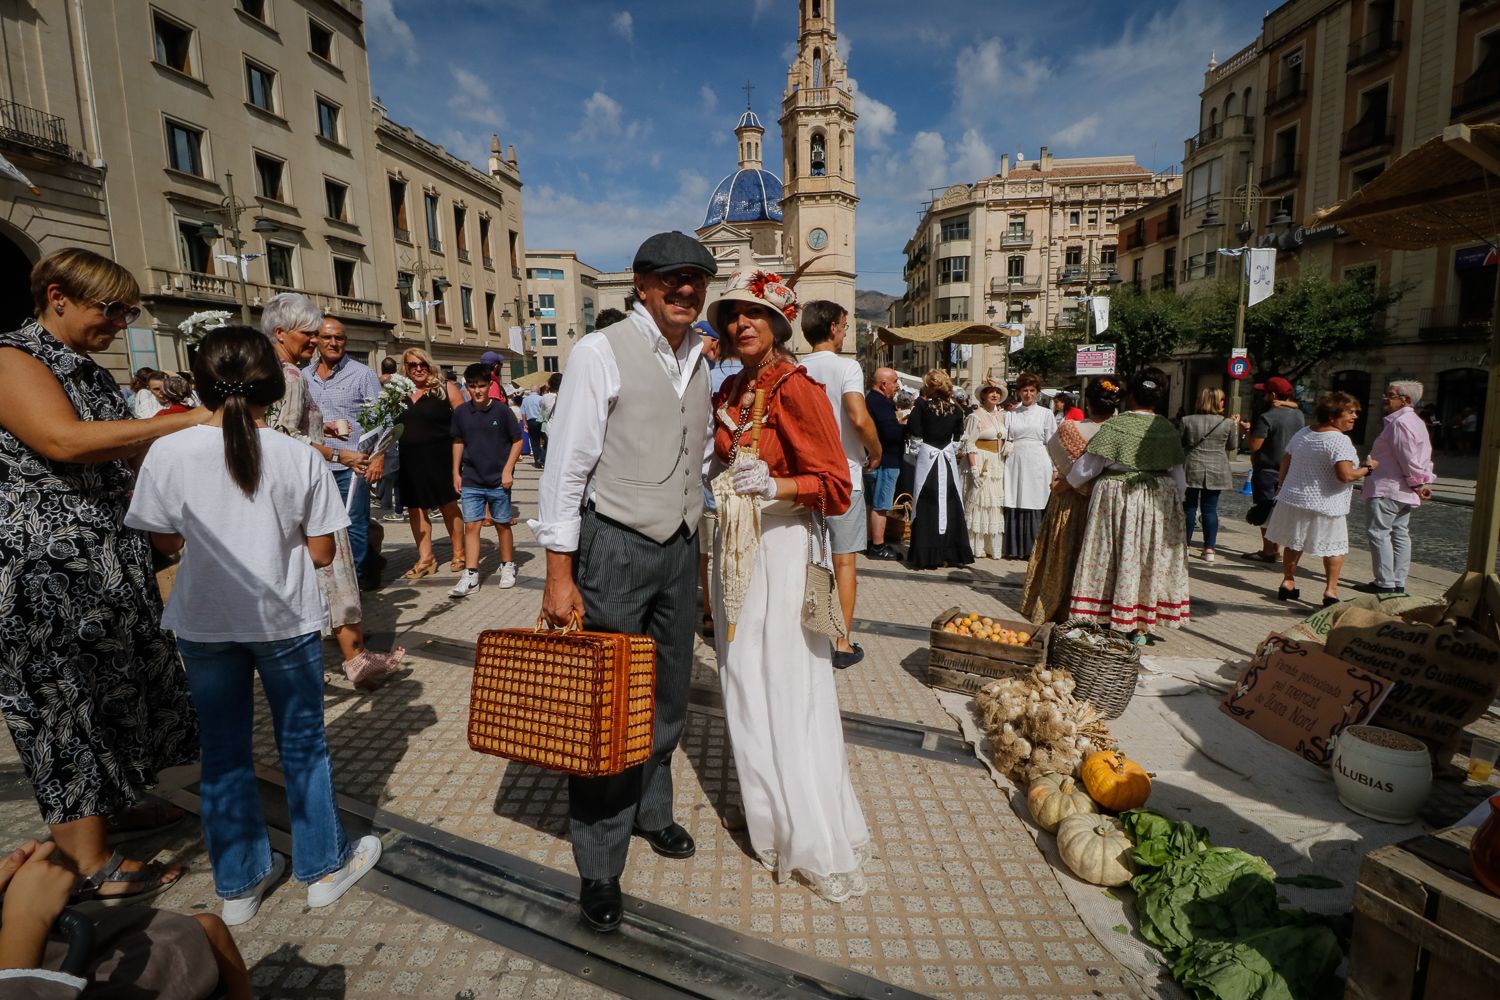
[(486, 445)]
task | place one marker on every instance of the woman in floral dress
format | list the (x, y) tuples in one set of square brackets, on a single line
[(984, 433), (291, 321), (91, 687)]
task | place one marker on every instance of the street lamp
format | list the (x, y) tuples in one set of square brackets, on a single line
[(1247, 198), (415, 276), (230, 209), (1095, 273), (991, 312)]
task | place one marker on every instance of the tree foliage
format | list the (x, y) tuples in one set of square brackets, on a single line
[(1052, 357), (1308, 320)]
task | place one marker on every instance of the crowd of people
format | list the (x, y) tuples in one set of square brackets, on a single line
[(672, 435)]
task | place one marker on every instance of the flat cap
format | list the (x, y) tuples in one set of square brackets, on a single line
[(670, 251)]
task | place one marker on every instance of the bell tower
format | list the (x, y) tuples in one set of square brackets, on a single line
[(817, 142)]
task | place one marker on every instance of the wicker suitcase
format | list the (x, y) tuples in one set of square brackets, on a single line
[(567, 700)]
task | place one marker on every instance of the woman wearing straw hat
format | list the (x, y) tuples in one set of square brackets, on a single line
[(984, 431), (779, 699)]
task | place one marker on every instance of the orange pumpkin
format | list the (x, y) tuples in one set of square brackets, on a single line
[(1115, 781)]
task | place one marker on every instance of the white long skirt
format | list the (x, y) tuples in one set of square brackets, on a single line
[(783, 715)]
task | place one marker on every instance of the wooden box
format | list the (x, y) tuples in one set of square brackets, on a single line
[(965, 664), (1424, 929), (950, 671)]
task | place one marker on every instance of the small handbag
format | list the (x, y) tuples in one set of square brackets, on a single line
[(821, 610)]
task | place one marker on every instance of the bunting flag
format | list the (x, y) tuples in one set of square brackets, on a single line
[(1100, 305), (517, 341), (244, 260), (1260, 274), (8, 169)]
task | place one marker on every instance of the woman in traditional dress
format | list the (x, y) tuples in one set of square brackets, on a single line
[(291, 322), (779, 698), (938, 534), (1028, 470), (90, 686), (1049, 575), (1207, 436), (427, 460), (984, 432), (1318, 471), (1132, 566)]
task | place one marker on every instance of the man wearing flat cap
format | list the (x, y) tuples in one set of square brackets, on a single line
[(618, 514)]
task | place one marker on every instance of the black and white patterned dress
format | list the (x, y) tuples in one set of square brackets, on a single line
[(91, 687)]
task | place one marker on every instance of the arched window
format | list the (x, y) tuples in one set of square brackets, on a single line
[(819, 155), (1213, 117), (817, 68), (817, 8), (1245, 101), (846, 168), (1229, 106)]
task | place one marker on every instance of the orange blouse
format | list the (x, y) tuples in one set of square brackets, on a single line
[(799, 439)]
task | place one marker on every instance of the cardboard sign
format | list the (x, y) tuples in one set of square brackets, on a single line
[(1298, 697), (1445, 675)]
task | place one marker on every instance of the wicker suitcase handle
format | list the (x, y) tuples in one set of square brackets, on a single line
[(575, 624)]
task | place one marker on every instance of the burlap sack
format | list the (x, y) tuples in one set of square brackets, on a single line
[(1446, 674)]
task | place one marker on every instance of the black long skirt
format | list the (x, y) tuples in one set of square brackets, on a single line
[(1022, 525), (931, 549)]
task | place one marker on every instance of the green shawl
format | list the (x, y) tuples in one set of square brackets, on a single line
[(1143, 441)]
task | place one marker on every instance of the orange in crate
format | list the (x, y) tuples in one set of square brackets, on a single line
[(568, 700)]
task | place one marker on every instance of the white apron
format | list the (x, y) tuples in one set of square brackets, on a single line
[(946, 462)]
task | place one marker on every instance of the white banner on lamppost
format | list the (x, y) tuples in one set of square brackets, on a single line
[(1017, 337), (1260, 274), (517, 340), (1100, 305)]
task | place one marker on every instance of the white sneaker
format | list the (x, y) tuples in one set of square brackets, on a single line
[(507, 576), (1208, 555), (467, 584), (241, 908), (330, 887)]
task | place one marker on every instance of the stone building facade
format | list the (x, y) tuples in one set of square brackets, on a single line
[(562, 299)]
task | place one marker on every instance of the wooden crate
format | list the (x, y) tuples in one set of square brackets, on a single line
[(951, 671), (1004, 658), (1424, 929)]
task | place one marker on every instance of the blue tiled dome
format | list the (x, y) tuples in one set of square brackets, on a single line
[(745, 196), (749, 120)]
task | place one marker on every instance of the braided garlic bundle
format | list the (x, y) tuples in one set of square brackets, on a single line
[(1037, 727)]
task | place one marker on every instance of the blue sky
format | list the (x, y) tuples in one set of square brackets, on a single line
[(622, 113)]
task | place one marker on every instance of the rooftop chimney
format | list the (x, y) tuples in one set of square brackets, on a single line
[(1004, 164), (1046, 158)]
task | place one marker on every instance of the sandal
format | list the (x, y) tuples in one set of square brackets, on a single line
[(421, 569), (458, 565), (86, 891), (142, 821)]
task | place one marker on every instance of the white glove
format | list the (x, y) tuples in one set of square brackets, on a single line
[(752, 477)]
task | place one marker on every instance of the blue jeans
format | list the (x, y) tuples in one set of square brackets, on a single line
[(359, 516), (388, 493), (221, 677), (1208, 500), (473, 501)]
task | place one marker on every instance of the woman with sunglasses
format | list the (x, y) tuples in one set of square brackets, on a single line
[(90, 686), (427, 460)]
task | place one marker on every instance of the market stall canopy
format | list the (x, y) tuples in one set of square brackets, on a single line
[(957, 332), (1445, 190), (532, 380)]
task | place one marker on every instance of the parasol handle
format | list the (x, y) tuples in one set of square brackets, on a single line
[(757, 417)]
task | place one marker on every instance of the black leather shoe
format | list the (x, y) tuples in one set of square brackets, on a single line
[(600, 904), (671, 841)]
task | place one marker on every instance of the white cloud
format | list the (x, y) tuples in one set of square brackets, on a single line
[(760, 7), (986, 75), (388, 33), (1079, 132), (624, 25), (973, 159), (709, 98), (473, 100), (604, 118), (877, 120), (607, 228)]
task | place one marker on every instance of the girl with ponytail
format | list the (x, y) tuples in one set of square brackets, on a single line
[(254, 512)]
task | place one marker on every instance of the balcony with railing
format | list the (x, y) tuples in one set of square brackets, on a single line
[(402, 235), (1164, 282), (224, 289), (1371, 132), (1377, 46), (1449, 322), (1078, 274), (463, 256), (1132, 239), (1015, 283), (1166, 227), (1480, 90), (1281, 171), (37, 129), (434, 244), (1233, 127), (1017, 238), (1286, 95)]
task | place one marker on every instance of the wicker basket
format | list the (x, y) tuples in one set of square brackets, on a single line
[(903, 510), (1105, 674), (568, 700)]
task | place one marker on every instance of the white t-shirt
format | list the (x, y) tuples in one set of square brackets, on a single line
[(841, 375), (246, 574), (1312, 482)]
